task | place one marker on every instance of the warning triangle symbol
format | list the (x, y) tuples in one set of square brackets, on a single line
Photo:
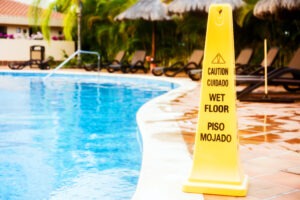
[(218, 59)]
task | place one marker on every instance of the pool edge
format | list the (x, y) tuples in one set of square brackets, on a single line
[(166, 161)]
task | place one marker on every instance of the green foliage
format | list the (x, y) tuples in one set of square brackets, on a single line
[(243, 13), (191, 30), (46, 19), (34, 12), (67, 7), (175, 39)]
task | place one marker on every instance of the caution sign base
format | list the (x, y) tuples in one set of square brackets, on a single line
[(208, 187), (216, 168)]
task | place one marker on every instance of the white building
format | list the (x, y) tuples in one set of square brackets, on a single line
[(17, 34)]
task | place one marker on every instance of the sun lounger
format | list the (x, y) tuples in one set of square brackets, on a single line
[(194, 62), (244, 57), (20, 65), (137, 63), (258, 69), (117, 60), (37, 58), (288, 77)]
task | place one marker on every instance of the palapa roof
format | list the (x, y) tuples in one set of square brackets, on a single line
[(151, 10), (270, 7), (12, 12), (183, 6)]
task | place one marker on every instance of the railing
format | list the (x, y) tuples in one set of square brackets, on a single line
[(71, 57)]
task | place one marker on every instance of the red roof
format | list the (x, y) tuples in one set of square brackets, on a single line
[(16, 9)]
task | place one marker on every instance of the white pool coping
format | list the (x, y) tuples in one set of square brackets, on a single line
[(166, 161)]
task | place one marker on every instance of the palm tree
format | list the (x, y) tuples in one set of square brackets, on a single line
[(101, 27), (68, 7)]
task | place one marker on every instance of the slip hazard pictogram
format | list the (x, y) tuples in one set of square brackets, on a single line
[(218, 59)]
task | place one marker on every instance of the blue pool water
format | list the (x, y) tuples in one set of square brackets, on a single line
[(71, 136)]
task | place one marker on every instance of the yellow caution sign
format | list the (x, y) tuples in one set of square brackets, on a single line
[(216, 168)]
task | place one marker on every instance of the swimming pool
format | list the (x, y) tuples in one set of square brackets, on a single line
[(71, 136)]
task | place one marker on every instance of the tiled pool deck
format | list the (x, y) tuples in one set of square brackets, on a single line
[(269, 146)]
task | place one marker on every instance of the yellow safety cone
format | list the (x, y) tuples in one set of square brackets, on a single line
[(216, 168)]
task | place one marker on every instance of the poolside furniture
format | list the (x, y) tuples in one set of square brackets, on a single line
[(137, 63), (241, 61), (20, 65), (37, 58), (287, 76), (248, 69), (243, 58), (103, 65), (194, 62)]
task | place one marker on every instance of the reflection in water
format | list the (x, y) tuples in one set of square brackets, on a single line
[(272, 124), (266, 128)]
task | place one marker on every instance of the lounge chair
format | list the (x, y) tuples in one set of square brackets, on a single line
[(288, 77), (37, 58), (258, 69), (20, 65), (194, 62), (117, 60), (137, 62), (241, 61)]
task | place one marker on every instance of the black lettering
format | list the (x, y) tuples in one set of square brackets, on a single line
[(209, 137), (218, 71), (226, 108), (217, 82), (216, 108), (212, 97), (221, 126), (223, 138), (216, 97), (215, 137), (203, 137), (228, 138), (215, 126)]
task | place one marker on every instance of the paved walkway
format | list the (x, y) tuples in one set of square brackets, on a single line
[(269, 145)]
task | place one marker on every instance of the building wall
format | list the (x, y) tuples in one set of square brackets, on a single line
[(19, 49), (20, 31)]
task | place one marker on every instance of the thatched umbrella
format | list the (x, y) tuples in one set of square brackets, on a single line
[(271, 7), (149, 10), (183, 6), (284, 12)]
